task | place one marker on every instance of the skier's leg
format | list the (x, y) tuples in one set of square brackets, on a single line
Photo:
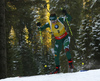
[(66, 48), (57, 49)]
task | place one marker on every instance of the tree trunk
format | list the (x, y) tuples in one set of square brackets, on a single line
[(3, 62)]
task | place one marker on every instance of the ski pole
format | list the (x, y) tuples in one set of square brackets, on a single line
[(45, 6), (40, 36), (38, 24), (69, 27)]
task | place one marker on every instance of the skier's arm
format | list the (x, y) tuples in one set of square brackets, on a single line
[(43, 27), (68, 17)]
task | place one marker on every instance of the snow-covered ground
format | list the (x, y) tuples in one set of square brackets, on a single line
[(91, 75)]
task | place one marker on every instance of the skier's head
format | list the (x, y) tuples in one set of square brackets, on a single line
[(53, 17)]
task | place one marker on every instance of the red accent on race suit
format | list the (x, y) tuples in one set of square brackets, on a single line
[(70, 61), (62, 36), (57, 67), (66, 49)]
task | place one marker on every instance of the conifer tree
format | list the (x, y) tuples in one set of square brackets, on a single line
[(3, 56)]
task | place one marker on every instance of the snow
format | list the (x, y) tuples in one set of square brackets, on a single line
[(91, 75), (94, 1)]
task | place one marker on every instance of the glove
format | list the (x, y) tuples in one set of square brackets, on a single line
[(45, 6), (39, 28), (64, 11), (38, 24)]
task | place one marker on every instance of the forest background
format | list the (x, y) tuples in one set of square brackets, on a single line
[(22, 53)]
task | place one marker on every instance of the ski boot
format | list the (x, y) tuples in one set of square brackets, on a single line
[(56, 71), (71, 65)]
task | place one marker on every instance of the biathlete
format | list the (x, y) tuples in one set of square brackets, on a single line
[(61, 37)]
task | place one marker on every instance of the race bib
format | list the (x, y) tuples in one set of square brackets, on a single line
[(58, 29)]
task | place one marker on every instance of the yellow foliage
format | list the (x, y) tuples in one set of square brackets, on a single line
[(25, 30), (11, 6), (48, 35), (12, 36)]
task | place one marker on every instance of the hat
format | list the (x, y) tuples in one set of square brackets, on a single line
[(52, 17)]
